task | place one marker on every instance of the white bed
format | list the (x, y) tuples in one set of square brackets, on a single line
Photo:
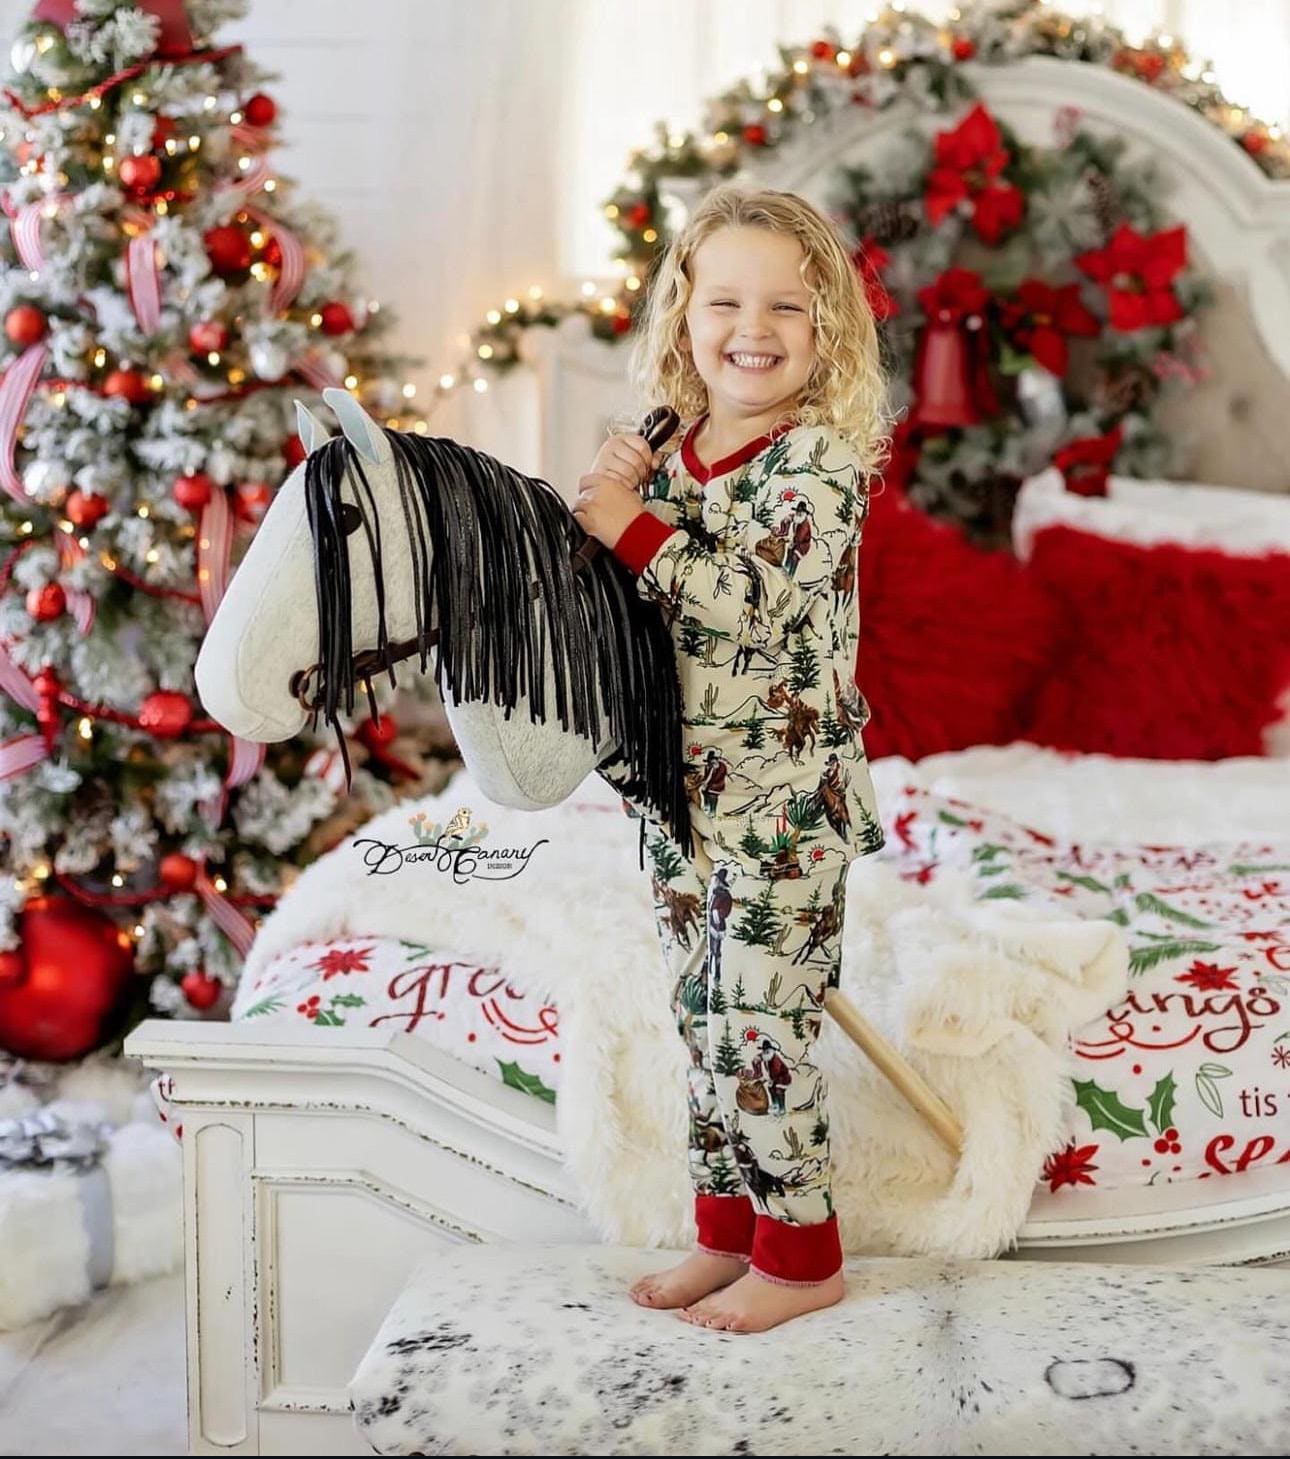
[(317, 1174)]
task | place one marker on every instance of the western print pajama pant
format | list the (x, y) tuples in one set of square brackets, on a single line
[(751, 956)]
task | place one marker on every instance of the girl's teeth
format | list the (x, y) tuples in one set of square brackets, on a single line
[(753, 362)]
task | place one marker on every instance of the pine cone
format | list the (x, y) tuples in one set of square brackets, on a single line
[(887, 222)]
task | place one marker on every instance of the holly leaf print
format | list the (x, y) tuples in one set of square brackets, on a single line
[(271, 1004), (1149, 902), (1160, 1102), (1107, 1111), (521, 1079), (1143, 959), (1089, 883)]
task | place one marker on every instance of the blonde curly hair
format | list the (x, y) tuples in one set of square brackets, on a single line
[(847, 386)]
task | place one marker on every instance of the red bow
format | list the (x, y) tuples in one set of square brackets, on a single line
[(1086, 463)]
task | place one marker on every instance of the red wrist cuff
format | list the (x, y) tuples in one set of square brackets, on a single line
[(726, 1224), (644, 536), (796, 1255)]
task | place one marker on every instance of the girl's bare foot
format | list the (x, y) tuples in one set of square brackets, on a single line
[(753, 1304), (696, 1276)]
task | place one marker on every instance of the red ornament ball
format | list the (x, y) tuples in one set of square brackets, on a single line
[(1255, 142), (271, 253), (25, 325), (131, 385), (638, 215), (165, 714), (336, 318), (85, 508), (47, 603), (964, 48), (228, 248), (178, 872), (206, 336), (375, 734), (76, 965), (260, 110), (823, 50), (755, 135), (139, 174), (193, 492), (621, 323), (293, 452), (251, 501), (200, 989)]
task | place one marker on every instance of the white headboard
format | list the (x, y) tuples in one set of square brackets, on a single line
[(1238, 221)]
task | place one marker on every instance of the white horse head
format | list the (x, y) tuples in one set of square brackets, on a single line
[(339, 569)]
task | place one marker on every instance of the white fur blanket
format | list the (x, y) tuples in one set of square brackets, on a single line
[(981, 997)]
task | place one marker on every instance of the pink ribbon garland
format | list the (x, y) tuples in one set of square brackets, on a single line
[(24, 225), (143, 283), (292, 273), (15, 395), (239, 930), (19, 754), (311, 366), (81, 603)]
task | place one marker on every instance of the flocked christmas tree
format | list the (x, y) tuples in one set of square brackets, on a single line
[(165, 298)]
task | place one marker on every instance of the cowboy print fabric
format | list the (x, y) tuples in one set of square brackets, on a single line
[(750, 959), (759, 588)]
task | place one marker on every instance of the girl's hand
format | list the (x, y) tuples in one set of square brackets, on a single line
[(627, 457), (605, 506)]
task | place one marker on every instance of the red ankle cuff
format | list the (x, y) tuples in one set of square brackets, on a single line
[(793, 1254), (725, 1224)]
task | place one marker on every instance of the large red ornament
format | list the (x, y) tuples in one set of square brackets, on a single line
[(46, 603), (139, 174), (131, 385), (25, 325), (228, 248), (178, 872), (336, 318), (193, 492), (86, 508), (76, 965), (207, 336), (260, 110), (200, 989), (377, 735), (251, 500), (165, 714)]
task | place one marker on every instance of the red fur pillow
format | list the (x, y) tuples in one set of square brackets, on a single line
[(1164, 652), (953, 640)]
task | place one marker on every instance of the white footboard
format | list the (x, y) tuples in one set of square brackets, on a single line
[(315, 1177)]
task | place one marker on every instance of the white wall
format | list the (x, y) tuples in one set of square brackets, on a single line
[(467, 145)]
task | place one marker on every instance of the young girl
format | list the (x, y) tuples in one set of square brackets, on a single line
[(757, 332)]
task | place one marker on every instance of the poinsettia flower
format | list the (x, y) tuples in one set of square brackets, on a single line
[(1070, 1166), (1207, 977), (1086, 463), (338, 960), (1040, 318), (954, 296), (870, 258), (1136, 271), (969, 160)]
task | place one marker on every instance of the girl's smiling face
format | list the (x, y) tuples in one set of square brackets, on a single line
[(749, 322)]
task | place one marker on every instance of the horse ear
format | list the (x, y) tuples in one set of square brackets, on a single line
[(309, 428), (361, 431)]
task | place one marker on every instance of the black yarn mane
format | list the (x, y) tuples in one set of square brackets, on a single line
[(480, 534)]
